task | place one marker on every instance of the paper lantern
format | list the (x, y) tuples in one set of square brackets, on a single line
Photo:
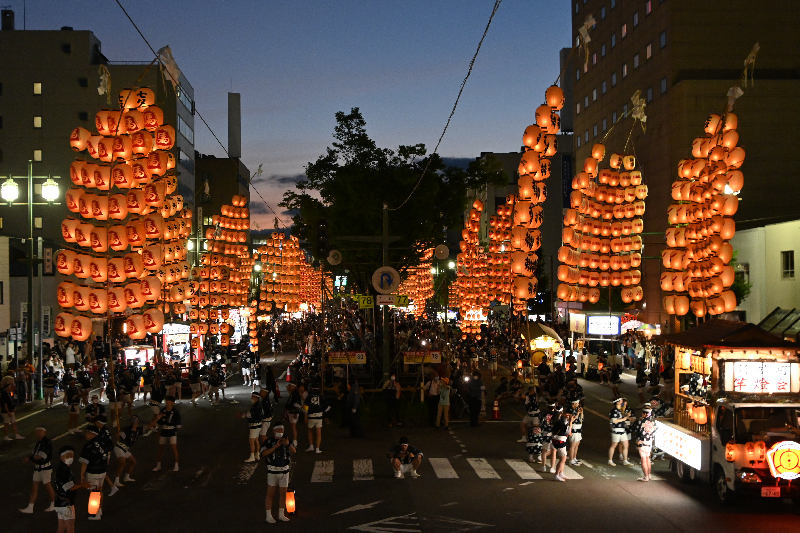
[(153, 320), (62, 324), (80, 297), (136, 98), (153, 226), (72, 199), (80, 328), (164, 137), (68, 227), (81, 266), (152, 256), (122, 176), (141, 143), (134, 231), (98, 269), (133, 295), (98, 301), (153, 117), (141, 172), (157, 163), (98, 239), (133, 265), (135, 327), (65, 262), (64, 294), (116, 270), (116, 300)]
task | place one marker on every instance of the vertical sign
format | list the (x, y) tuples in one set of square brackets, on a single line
[(23, 318), (566, 179), (48, 260), (47, 313)]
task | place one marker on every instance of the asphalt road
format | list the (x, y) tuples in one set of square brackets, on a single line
[(480, 482)]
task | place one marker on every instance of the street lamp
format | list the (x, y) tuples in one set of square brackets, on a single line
[(190, 245), (50, 190), (451, 265), (9, 191)]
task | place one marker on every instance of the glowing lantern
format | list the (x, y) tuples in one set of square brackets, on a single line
[(157, 163), (153, 117), (133, 265), (65, 262), (123, 176), (135, 232), (153, 320), (165, 137), (152, 256), (98, 301), (98, 269), (116, 300), (98, 239), (80, 328), (62, 324), (135, 327), (153, 226)]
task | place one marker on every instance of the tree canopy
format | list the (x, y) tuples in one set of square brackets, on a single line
[(348, 185)]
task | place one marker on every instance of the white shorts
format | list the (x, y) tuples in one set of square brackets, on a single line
[(156, 409), (171, 440), (575, 437), (49, 390), (255, 432), (492, 365), (561, 452), (256, 381), (292, 418), (147, 388), (120, 453), (314, 423), (95, 480), (529, 420), (66, 513), (42, 476), (264, 427), (615, 437), (195, 387), (547, 446), (245, 371), (405, 468), (213, 389), (9, 418), (645, 449), (278, 479)]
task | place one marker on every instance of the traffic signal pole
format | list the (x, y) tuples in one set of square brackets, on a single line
[(385, 243)]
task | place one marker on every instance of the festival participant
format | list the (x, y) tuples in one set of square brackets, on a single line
[(94, 409), (316, 409), (50, 381), (574, 439), (73, 397), (65, 488), (644, 431), (535, 438), (294, 405), (169, 422), (158, 391), (42, 469), (405, 459), (255, 419), (561, 431), (94, 463), (619, 437), (7, 409), (277, 452), (268, 412), (548, 417), (531, 414), (122, 450)]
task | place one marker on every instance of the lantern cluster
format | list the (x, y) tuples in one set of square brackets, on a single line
[(222, 280), (283, 264), (601, 241), (418, 282), (130, 228), (698, 253)]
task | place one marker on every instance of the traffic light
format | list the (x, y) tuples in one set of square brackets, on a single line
[(323, 239)]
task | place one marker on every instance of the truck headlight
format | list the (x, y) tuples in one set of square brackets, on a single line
[(747, 476)]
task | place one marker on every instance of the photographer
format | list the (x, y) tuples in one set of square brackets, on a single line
[(277, 452)]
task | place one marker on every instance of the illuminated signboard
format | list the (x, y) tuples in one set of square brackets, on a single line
[(418, 358), (756, 376), (784, 460), (343, 358), (602, 325), (681, 444)]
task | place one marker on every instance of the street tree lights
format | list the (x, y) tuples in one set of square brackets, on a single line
[(9, 192)]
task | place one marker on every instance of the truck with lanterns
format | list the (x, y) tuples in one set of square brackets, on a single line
[(736, 411)]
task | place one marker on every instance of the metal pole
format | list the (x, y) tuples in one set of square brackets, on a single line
[(29, 324), (385, 307), (41, 325)]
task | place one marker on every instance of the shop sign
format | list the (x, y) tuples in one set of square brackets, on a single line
[(418, 358)]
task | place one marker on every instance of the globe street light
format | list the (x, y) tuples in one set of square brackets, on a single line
[(50, 190), (9, 191)]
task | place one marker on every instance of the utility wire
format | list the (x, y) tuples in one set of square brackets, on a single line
[(177, 82), (461, 90)]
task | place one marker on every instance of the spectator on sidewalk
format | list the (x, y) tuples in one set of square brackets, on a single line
[(7, 409)]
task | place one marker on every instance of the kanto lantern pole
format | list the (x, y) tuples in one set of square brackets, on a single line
[(385, 307)]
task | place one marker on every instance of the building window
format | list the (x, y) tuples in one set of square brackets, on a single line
[(37, 122), (603, 13), (83, 82), (594, 58), (578, 109), (585, 101), (624, 70), (613, 79), (186, 99), (186, 161), (648, 7), (624, 30), (594, 131), (579, 141), (614, 117), (577, 41), (594, 95), (649, 94), (613, 4), (635, 19), (636, 61), (663, 85), (37, 155), (66, 48), (577, 74), (613, 40), (605, 124), (663, 39), (37, 88), (586, 136), (184, 128), (649, 51), (603, 50), (787, 264), (625, 110), (577, 6), (603, 87)]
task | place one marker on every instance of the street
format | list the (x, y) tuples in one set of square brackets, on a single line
[(471, 479)]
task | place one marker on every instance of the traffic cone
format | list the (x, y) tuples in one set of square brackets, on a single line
[(496, 411), (289, 373)]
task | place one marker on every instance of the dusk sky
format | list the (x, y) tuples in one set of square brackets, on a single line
[(296, 63)]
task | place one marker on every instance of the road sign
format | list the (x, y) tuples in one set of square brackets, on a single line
[(401, 300), (365, 301), (343, 358), (386, 280), (385, 299)]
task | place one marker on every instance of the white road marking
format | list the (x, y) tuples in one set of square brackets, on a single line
[(604, 417), (571, 474), (584, 463), (246, 472), (359, 507), (197, 475), (323, 472), (448, 504), (483, 468), (526, 483), (442, 468), (67, 433), (401, 524), (522, 469), (362, 470), (653, 477), (508, 488)]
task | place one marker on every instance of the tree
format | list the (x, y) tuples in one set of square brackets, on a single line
[(348, 185), (741, 287)]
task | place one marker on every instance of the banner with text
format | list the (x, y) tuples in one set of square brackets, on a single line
[(343, 358), (418, 358)]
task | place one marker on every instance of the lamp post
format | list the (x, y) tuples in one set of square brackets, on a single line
[(9, 191)]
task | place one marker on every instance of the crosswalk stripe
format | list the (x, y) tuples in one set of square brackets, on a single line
[(362, 470), (483, 468), (571, 474), (323, 472), (653, 477), (442, 468), (522, 469)]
